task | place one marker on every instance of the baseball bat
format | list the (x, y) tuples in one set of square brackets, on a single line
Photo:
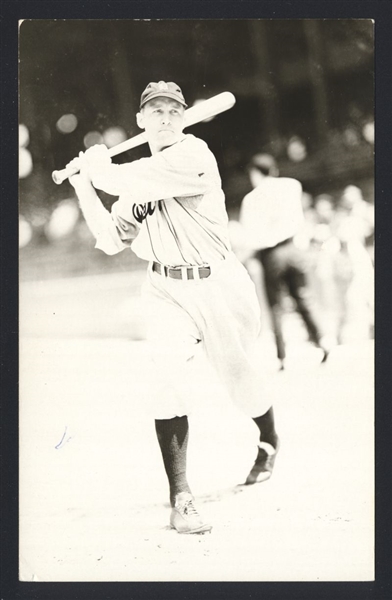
[(195, 114)]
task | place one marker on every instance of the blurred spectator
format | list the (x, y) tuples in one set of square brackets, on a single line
[(322, 247), (271, 216), (358, 216), (324, 209), (342, 273), (296, 149), (353, 266)]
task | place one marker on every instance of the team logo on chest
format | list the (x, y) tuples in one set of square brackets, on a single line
[(141, 211)]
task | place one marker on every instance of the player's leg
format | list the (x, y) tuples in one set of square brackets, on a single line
[(232, 312), (250, 396), (297, 283), (273, 290), (267, 448), (173, 441), (268, 442), (172, 436), (173, 339)]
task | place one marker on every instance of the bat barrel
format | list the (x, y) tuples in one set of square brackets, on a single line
[(209, 108)]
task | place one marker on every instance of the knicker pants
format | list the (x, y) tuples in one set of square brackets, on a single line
[(219, 317)]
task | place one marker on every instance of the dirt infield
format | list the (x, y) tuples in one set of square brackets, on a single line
[(93, 494)]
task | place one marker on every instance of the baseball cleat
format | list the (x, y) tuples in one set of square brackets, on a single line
[(185, 517), (264, 463)]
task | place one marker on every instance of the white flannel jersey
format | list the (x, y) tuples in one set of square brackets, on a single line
[(171, 206)]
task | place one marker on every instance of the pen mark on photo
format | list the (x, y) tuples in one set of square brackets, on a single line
[(60, 444)]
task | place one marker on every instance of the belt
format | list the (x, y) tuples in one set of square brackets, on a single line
[(181, 272)]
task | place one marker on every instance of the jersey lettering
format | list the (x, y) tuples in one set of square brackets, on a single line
[(141, 211)]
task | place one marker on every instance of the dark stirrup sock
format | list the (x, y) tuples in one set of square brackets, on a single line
[(266, 425), (173, 440)]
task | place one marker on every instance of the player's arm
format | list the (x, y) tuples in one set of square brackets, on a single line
[(181, 170), (112, 233)]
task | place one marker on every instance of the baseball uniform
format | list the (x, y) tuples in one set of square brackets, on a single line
[(171, 212)]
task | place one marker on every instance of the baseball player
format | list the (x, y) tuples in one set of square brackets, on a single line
[(197, 296), (271, 215)]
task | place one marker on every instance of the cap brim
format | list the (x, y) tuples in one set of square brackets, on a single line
[(164, 95)]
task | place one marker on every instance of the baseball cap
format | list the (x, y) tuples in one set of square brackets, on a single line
[(162, 88)]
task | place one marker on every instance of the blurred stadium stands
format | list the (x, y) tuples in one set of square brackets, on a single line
[(302, 85)]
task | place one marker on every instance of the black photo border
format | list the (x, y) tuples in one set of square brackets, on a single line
[(11, 12)]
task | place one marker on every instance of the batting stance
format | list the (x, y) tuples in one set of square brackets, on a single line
[(198, 297)]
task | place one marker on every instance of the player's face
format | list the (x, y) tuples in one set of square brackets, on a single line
[(163, 122)]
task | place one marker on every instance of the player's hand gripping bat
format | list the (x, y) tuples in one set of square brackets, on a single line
[(204, 110)]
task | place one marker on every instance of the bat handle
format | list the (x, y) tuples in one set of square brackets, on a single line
[(60, 176)]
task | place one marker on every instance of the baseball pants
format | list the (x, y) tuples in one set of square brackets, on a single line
[(217, 318), (285, 269)]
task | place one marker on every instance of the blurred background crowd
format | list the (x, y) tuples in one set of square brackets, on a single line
[(338, 239), (305, 94)]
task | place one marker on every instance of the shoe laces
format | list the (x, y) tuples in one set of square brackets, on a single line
[(188, 508)]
